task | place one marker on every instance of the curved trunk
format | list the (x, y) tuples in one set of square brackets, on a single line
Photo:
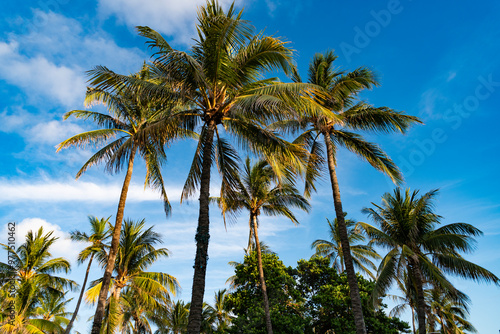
[(103, 294), (261, 276), (70, 324), (417, 276), (357, 309), (202, 237)]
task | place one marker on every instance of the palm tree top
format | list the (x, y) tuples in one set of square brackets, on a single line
[(258, 190), (410, 229)]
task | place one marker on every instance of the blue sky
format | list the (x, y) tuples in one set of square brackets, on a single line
[(438, 61)]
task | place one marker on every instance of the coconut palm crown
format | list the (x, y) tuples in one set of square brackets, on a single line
[(419, 248), (362, 255)]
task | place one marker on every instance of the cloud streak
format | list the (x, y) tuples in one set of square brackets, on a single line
[(171, 17), (54, 191)]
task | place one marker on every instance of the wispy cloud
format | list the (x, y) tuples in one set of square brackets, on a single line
[(48, 63), (38, 75), (63, 247), (70, 190), (171, 17)]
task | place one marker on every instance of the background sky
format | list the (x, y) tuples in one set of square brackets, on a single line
[(436, 60)]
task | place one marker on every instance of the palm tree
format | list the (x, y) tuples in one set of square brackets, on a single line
[(420, 250), (100, 233), (32, 272), (332, 249), (220, 79), (137, 313), (175, 320), (221, 311), (52, 308), (134, 122), (136, 253), (256, 193), (408, 300), (208, 319), (333, 114), (451, 314)]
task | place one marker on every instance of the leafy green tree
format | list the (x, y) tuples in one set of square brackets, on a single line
[(265, 249), (334, 114), (98, 237), (134, 122), (32, 273), (332, 249), (419, 249), (257, 193), (328, 305), (285, 302)]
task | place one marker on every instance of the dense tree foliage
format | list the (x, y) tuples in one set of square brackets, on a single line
[(285, 301), (328, 305), (311, 298)]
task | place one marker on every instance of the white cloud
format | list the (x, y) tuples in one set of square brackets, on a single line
[(13, 121), (53, 191), (63, 247), (172, 17), (61, 83), (18, 120), (49, 61), (52, 132)]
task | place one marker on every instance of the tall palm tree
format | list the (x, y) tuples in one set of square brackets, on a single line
[(220, 79), (32, 271), (136, 253), (334, 113), (134, 122), (257, 193), (420, 249), (98, 237), (332, 249)]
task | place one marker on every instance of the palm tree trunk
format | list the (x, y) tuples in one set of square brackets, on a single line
[(70, 324), (417, 275), (261, 276), (357, 309), (413, 319), (202, 237), (103, 294)]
